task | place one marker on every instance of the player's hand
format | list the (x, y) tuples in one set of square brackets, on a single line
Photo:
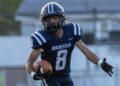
[(39, 74), (107, 67), (35, 76)]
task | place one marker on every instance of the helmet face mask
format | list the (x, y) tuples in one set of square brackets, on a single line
[(52, 23), (49, 13)]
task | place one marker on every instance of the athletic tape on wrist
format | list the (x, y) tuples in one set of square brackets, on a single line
[(99, 62), (32, 73)]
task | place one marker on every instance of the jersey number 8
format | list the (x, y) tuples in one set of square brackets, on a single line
[(61, 59)]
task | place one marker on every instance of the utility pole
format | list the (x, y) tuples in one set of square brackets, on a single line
[(94, 12)]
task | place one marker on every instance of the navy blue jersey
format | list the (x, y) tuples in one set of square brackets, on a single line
[(57, 50)]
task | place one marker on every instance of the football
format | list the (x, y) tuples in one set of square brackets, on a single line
[(47, 67)]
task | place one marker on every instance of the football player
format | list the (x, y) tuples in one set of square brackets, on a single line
[(55, 44)]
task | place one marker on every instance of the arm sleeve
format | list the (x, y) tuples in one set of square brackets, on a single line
[(37, 40), (77, 32), (34, 43)]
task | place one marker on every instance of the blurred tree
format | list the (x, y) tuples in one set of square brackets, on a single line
[(8, 26)]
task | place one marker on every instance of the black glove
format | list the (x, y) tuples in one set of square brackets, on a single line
[(106, 67), (39, 75)]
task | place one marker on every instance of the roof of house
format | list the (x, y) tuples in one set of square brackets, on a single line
[(32, 7)]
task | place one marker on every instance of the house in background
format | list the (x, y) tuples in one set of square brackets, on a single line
[(99, 18), (16, 49), (13, 55)]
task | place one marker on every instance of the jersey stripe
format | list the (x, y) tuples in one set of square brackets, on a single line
[(79, 29), (75, 29), (41, 37), (44, 82), (34, 36)]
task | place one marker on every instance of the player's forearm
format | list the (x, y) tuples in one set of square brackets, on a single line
[(32, 58), (29, 67), (87, 52), (90, 55), (93, 58)]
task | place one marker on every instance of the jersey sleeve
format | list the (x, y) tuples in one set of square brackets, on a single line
[(37, 40), (77, 32)]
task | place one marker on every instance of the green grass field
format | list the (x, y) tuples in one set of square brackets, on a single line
[(1, 79)]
